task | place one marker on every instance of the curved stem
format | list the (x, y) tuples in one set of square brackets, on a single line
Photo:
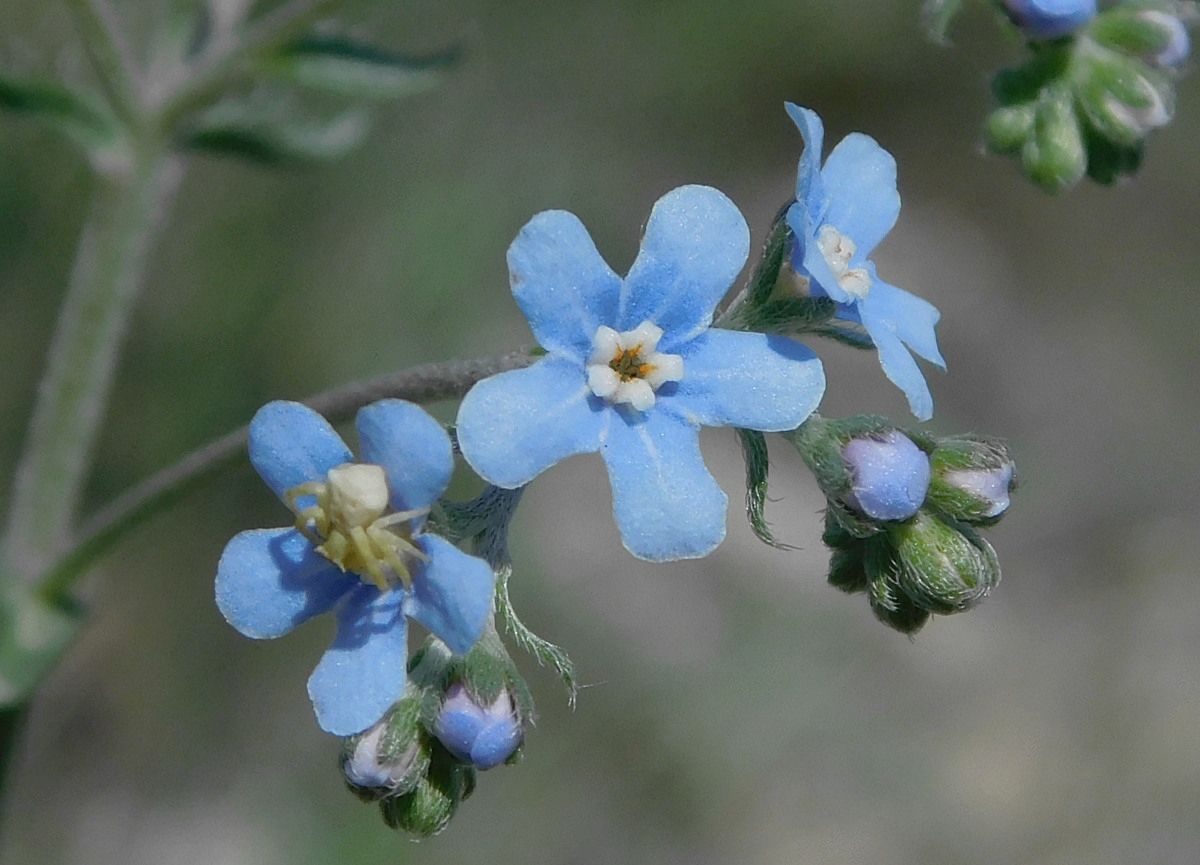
[(108, 272), (425, 383)]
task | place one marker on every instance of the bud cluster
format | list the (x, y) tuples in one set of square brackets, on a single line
[(903, 512), (1095, 86), (462, 714)]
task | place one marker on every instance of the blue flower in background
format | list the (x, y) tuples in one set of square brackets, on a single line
[(842, 211), (358, 548), (633, 370), (1050, 19)]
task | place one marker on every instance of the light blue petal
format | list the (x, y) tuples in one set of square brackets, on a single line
[(271, 580), (452, 594), (290, 444), (458, 728), (495, 743), (749, 380), (666, 504), (911, 318), (890, 476), (860, 179), (412, 447), (899, 366), (561, 283), (364, 672), (695, 244), (810, 189), (513, 426)]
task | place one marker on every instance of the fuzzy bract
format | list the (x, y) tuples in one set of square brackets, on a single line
[(271, 580), (843, 209), (633, 369)]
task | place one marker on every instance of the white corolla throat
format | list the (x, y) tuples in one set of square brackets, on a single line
[(838, 249), (627, 368)]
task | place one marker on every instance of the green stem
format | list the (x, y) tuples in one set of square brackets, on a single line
[(425, 383), (211, 74), (110, 56), (128, 211)]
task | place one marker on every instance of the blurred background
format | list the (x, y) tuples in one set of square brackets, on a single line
[(737, 709)]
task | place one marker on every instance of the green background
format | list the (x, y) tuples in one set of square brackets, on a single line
[(737, 709)]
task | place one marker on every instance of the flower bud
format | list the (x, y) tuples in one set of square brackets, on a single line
[(972, 479), (389, 758), (429, 806), (1054, 155), (1124, 99), (1175, 44), (481, 733), (1050, 19), (889, 475), (895, 609), (942, 568)]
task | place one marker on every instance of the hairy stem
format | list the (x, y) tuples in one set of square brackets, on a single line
[(225, 61), (128, 211), (425, 383)]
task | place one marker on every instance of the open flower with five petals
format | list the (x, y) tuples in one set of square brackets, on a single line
[(358, 548), (633, 370), (842, 211)]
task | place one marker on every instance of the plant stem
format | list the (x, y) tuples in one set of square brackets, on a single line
[(212, 72), (128, 210), (110, 56), (425, 383)]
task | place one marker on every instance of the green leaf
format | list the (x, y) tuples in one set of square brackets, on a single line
[(33, 636), (334, 64), (280, 143), (546, 653), (938, 15), (71, 113), (754, 452)]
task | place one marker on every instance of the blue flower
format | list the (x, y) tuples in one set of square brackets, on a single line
[(842, 211), (1050, 19), (358, 548), (633, 370)]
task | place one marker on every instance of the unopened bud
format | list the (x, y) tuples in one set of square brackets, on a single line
[(889, 475), (972, 479), (1175, 46), (428, 808), (1050, 19), (943, 568), (389, 758), (1054, 155), (484, 734)]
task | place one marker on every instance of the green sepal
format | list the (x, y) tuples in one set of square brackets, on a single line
[(1109, 162), (77, 116), (33, 636), (428, 808), (786, 315), (847, 568), (895, 609), (888, 602), (943, 568), (937, 16), (345, 67), (238, 133), (765, 276), (754, 453)]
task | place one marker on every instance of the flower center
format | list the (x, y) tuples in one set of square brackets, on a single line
[(838, 249), (627, 368), (349, 524)]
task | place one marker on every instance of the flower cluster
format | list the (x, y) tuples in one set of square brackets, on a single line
[(631, 368)]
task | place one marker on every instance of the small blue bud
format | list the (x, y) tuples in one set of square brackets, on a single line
[(990, 487), (1050, 19), (1178, 44), (484, 736), (889, 476), (972, 479)]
